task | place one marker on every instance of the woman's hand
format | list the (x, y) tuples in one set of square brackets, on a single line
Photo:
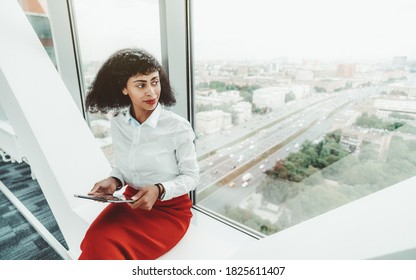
[(145, 197), (106, 186)]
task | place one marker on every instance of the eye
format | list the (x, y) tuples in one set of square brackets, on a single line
[(141, 85), (155, 83)]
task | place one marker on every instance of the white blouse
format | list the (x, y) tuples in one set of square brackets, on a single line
[(160, 150)]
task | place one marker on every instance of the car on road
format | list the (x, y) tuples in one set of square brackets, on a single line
[(246, 177)]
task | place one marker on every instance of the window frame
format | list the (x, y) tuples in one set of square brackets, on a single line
[(176, 38), (63, 25)]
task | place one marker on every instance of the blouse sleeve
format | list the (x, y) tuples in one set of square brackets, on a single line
[(115, 133), (188, 177), (115, 172)]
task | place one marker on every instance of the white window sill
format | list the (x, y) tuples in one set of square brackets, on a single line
[(208, 239)]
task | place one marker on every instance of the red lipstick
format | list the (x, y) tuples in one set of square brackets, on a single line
[(151, 102)]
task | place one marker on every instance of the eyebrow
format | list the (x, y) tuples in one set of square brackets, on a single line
[(144, 81)]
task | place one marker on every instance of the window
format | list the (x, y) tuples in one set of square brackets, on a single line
[(301, 106), (37, 13), (104, 27)]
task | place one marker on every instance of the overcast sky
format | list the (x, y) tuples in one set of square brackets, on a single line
[(258, 28), (305, 28), (105, 26)]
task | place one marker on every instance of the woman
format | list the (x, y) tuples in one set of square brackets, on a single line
[(154, 156)]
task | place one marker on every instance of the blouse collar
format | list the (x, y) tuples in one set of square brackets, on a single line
[(151, 120)]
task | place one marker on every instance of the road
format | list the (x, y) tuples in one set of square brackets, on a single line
[(258, 144)]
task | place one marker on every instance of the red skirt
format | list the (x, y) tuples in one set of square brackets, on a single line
[(123, 233)]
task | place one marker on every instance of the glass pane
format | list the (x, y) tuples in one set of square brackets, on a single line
[(301, 106), (105, 26), (37, 13)]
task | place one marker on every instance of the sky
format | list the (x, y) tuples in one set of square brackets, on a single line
[(313, 28), (238, 29), (105, 26)]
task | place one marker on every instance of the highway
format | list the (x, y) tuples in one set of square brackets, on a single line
[(256, 145)]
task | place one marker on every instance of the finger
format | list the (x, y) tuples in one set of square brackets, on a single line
[(136, 203), (94, 189), (138, 195), (146, 201)]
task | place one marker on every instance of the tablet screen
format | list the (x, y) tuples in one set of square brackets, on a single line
[(106, 198)]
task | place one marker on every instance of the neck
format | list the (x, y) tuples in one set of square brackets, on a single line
[(140, 115)]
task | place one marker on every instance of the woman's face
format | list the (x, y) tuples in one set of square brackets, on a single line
[(144, 93)]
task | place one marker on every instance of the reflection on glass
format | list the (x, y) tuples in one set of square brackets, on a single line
[(104, 27), (37, 13), (301, 109)]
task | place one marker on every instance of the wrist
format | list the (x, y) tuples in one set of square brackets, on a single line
[(162, 191), (118, 183)]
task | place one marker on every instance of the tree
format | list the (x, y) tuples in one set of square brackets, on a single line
[(289, 97), (310, 159), (368, 152), (250, 219), (368, 121)]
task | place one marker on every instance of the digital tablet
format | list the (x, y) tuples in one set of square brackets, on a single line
[(106, 198)]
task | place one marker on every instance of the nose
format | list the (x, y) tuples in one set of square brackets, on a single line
[(150, 91)]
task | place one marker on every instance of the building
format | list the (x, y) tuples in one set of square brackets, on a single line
[(346, 70), (242, 111), (385, 107), (210, 122), (36, 12), (399, 62), (405, 88), (214, 98), (270, 97), (301, 91), (206, 92), (352, 139), (329, 85), (304, 75)]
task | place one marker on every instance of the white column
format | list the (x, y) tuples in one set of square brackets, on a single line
[(175, 51), (54, 136)]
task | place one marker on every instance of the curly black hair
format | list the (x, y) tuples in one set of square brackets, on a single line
[(105, 94)]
